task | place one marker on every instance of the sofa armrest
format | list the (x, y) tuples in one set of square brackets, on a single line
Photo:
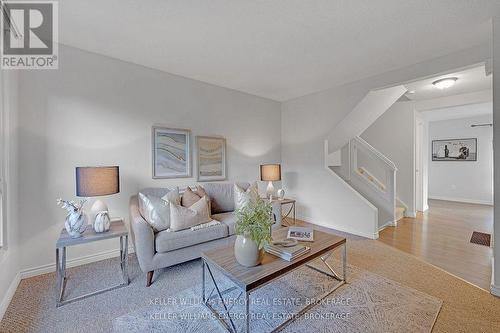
[(142, 236)]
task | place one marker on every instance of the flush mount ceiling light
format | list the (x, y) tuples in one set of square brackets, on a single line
[(445, 83)]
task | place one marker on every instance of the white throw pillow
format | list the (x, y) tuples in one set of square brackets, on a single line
[(243, 198), (185, 217), (156, 211)]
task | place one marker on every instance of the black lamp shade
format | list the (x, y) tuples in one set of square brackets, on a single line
[(97, 181)]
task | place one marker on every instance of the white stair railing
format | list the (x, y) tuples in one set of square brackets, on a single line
[(370, 173), (364, 160)]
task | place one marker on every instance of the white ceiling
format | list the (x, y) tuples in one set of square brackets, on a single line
[(279, 49), (469, 80), (458, 112)]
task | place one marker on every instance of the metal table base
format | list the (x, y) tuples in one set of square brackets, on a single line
[(61, 277), (231, 327)]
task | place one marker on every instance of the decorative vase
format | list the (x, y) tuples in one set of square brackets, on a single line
[(102, 222), (281, 194), (76, 223), (247, 252)]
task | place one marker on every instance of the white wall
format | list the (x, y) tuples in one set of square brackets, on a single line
[(10, 251), (495, 279), (466, 181), (322, 198), (97, 110), (393, 135)]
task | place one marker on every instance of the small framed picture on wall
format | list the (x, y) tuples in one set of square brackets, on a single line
[(454, 150), (171, 152), (211, 157)]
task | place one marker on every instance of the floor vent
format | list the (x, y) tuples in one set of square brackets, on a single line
[(480, 238)]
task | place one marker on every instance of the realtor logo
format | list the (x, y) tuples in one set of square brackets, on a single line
[(30, 35)]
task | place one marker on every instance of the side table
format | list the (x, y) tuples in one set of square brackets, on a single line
[(291, 209), (117, 229)]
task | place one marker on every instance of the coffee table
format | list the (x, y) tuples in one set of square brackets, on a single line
[(249, 279)]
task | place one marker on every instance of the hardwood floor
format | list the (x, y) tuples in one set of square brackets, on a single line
[(441, 236)]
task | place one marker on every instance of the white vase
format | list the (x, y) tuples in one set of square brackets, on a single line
[(247, 252), (102, 222), (281, 194), (76, 223)]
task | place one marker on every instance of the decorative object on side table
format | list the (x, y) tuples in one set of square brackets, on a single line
[(76, 220), (281, 194), (211, 153), (171, 153), (98, 181), (253, 228), (102, 222), (270, 173)]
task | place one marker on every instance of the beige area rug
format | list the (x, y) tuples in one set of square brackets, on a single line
[(465, 308), (368, 303)]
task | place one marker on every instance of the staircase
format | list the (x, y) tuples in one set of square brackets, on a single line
[(365, 169)]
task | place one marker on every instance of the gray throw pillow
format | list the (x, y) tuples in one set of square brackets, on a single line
[(156, 211)]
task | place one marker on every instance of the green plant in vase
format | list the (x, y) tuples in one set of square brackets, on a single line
[(253, 230)]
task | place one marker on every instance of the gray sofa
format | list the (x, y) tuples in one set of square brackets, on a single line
[(164, 249)]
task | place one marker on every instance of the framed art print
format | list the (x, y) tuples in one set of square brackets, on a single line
[(211, 157), (171, 153), (454, 150)]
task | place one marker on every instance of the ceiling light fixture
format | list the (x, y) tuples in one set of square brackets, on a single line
[(445, 83), (411, 91)]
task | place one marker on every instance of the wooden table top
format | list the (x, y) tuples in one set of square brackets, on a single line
[(272, 267)]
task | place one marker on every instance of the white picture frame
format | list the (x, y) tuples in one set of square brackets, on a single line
[(211, 158), (171, 153)]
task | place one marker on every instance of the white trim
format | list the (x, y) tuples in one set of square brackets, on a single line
[(426, 207), (9, 294), (410, 214), (464, 200), (494, 289), (48, 268), (388, 224), (335, 227)]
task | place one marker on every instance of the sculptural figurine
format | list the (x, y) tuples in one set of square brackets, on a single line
[(76, 220)]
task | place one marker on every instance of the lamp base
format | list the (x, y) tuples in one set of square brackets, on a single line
[(97, 207), (270, 190)]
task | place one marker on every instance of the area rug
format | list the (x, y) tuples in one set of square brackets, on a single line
[(367, 303)]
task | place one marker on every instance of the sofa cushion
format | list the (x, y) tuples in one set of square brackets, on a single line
[(243, 198), (189, 197), (155, 210), (166, 241), (222, 196), (186, 217), (229, 219)]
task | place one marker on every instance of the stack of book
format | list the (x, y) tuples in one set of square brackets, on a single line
[(287, 253)]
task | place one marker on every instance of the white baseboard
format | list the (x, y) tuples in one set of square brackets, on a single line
[(472, 201), (410, 214), (495, 290), (387, 224), (335, 227), (48, 268), (9, 294)]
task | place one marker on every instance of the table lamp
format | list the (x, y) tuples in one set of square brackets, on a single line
[(270, 173), (97, 181)]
